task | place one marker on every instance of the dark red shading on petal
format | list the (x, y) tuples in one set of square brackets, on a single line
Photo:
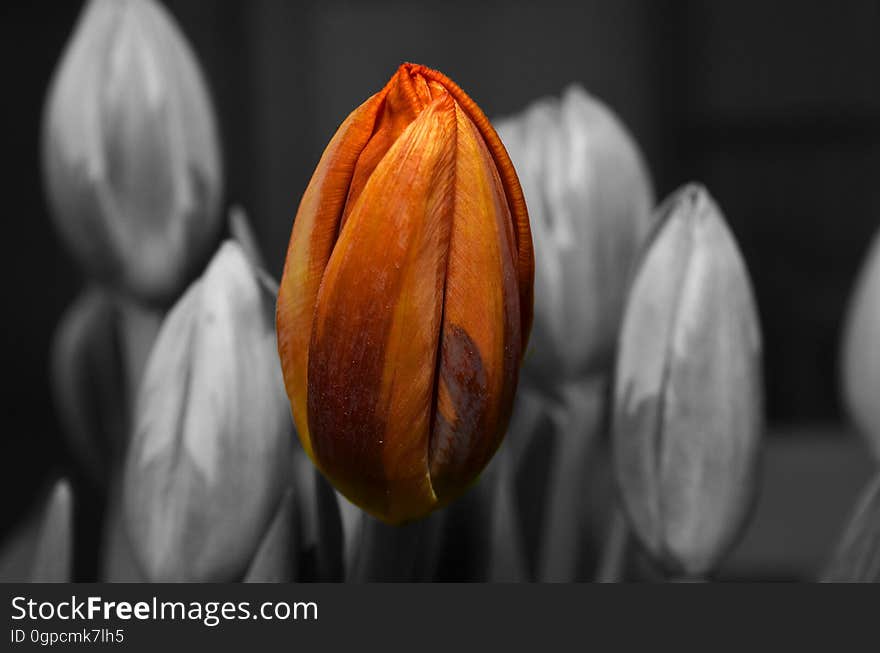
[(311, 243)]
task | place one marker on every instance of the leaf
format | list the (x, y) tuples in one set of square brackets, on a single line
[(857, 558), (274, 559)]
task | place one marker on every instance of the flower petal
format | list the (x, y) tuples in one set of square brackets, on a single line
[(372, 357), (480, 347), (314, 234)]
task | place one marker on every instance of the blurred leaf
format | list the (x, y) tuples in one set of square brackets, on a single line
[(319, 537), (857, 559), (240, 229), (274, 559), (117, 561)]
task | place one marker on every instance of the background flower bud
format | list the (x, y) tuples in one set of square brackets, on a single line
[(861, 351), (211, 452), (688, 396), (88, 384), (406, 298), (53, 553), (130, 150), (590, 202), (41, 549)]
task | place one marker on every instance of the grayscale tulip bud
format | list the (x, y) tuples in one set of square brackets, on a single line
[(861, 352), (130, 151), (211, 453), (590, 202), (688, 413)]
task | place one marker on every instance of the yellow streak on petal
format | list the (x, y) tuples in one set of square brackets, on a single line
[(377, 325)]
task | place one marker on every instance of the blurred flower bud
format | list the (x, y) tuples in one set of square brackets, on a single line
[(861, 351), (688, 397), (211, 452), (406, 298), (53, 554), (88, 382), (590, 202), (41, 549), (130, 150)]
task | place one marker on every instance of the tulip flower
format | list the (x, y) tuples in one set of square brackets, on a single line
[(210, 455), (688, 396), (590, 203), (861, 356), (88, 383), (130, 151), (406, 298), (53, 554)]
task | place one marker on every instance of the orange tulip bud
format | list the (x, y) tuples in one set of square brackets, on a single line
[(406, 299)]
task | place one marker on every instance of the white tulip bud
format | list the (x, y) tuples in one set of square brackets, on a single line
[(590, 201), (688, 413), (861, 351), (211, 452), (130, 150)]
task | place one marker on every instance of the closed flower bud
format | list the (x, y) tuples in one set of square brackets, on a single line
[(40, 550), (88, 383), (688, 397), (130, 151), (861, 352), (53, 550), (211, 453), (590, 203), (406, 298)]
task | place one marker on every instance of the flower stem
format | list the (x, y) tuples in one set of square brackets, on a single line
[(395, 553), (611, 564), (578, 419)]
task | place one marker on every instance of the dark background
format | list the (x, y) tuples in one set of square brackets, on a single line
[(774, 106)]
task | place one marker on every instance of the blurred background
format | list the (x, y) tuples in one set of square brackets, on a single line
[(775, 107)]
